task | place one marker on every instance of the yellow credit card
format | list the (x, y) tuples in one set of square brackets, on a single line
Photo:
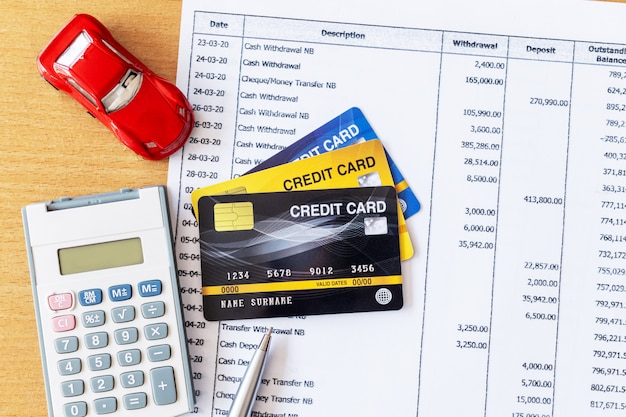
[(360, 165)]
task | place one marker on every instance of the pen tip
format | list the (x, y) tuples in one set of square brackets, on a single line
[(266, 339)]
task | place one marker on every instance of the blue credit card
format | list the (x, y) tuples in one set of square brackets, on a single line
[(347, 129)]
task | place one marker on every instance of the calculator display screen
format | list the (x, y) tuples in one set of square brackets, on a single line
[(100, 256)]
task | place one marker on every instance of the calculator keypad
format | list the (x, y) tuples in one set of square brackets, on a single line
[(133, 371)]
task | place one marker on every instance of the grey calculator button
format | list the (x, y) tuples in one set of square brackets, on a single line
[(123, 314), (93, 318), (132, 379), (101, 383), (77, 409), (66, 344), (163, 385), (155, 331), (126, 336), (96, 340), (159, 353), (105, 405), (73, 388), (152, 310), (129, 357), (135, 401), (69, 366), (99, 362)]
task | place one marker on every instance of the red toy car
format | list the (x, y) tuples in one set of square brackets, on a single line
[(147, 113)]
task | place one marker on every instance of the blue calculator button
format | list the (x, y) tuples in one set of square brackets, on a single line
[(153, 310), (132, 379), (150, 288), (135, 401), (66, 344), (93, 318), (129, 357), (155, 331), (163, 385), (126, 336), (120, 292), (90, 297), (106, 405), (69, 366), (123, 314), (73, 388), (159, 353), (99, 362), (96, 340), (77, 409), (101, 383)]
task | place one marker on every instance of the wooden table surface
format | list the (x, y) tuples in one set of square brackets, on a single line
[(52, 148)]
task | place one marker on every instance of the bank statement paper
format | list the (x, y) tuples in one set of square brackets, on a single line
[(508, 122)]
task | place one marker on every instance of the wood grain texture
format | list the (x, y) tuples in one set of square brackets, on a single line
[(52, 148)]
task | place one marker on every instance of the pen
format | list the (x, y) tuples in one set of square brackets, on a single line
[(242, 404)]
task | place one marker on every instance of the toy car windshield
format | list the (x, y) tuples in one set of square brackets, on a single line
[(75, 50), (123, 92)]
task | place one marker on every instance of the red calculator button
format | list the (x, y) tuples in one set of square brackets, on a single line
[(61, 301), (64, 323)]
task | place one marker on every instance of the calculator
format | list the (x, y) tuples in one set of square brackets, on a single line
[(107, 305)]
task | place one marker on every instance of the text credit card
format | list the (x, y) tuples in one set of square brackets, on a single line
[(348, 128), (300, 253), (361, 165)]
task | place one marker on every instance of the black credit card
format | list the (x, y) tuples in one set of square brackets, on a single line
[(300, 253)]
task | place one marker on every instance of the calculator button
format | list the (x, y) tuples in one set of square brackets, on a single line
[(105, 405), (135, 401), (150, 288), (73, 388), (99, 362), (77, 409), (93, 318), (163, 385), (64, 323), (66, 344), (69, 366), (126, 336), (155, 331), (131, 379), (96, 340), (90, 297), (123, 314), (159, 353), (101, 383), (62, 301), (120, 292), (153, 310), (129, 357)]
